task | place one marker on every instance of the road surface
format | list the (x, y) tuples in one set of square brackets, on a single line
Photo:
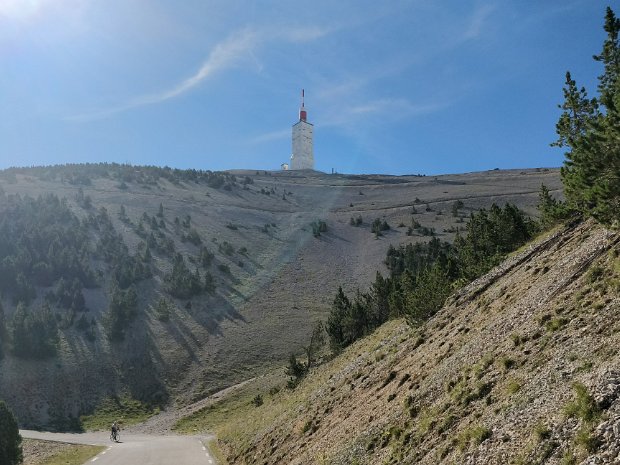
[(137, 449)]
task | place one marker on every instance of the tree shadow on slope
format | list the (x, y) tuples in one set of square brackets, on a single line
[(211, 314), (141, 367)]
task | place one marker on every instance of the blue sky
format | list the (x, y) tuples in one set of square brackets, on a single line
[(392, 86)]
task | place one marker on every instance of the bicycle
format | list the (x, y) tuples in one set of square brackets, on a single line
[(115, 436)]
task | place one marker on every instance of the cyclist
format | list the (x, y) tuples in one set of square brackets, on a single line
[(115, 430)]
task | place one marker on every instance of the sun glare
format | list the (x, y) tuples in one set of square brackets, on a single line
[(20, 9)]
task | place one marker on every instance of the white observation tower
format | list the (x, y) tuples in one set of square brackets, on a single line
[(302, 157)]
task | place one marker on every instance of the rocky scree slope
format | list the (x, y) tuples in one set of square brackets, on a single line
[(519, 367)]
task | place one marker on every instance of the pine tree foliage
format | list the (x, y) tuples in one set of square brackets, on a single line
[(3, 331), (590, 129), (551, 210), (422, 275), (10, 439), (34, 333), (121, 312), (181, 282)]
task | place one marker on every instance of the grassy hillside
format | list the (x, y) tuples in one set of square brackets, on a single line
[(521, 366), (131, 318)]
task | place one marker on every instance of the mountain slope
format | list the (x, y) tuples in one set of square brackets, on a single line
[(521, 366), (252, 233)]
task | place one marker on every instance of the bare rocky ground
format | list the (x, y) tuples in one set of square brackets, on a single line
[(37, 451), (266, 307), (519, 367)]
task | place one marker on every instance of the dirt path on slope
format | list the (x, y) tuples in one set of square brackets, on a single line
[(162, 423)]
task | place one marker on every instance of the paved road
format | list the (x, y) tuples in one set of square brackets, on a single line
[(137, 449)]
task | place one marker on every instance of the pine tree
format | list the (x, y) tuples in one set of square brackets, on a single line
[(590, 128), (3, 332), (335, 322), (34, 333), (10, 439), (122, 214), (317, 341)]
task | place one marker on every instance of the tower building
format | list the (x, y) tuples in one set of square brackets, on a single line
[(302, 157)]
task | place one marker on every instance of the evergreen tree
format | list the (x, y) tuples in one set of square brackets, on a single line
[(122, 310), (296, 370), (317, 341), (122, 214), (181, 282), (423, 275), (590, 129), (209, 285), (34, 333), (378, 301), (10, 439), (335, 330), (551, 210), (432, 287), (3, 332)]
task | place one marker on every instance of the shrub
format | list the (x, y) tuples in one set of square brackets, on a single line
[(583, 406), (163, 309), (517, 339), (586, 438), (508, 363), (318, 227), (555, 324), (296, 370), (209, 285), (456, 206), (356, 221), (513, 386), (475, 435), (542, 432), (226, 248), (192, 237), (377, 227), (205, 257), (391, 376), (404, 379)]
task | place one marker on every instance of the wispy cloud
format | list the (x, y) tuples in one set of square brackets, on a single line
[(270, 136), (384, 105), (224, 55), (477, 21), (238, 48), (385, 108), (304, 34), (346, 117)]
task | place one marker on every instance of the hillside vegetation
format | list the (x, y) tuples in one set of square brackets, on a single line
[(124, 283), (518, 367)]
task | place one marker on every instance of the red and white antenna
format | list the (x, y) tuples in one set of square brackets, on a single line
[(302, 110)]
